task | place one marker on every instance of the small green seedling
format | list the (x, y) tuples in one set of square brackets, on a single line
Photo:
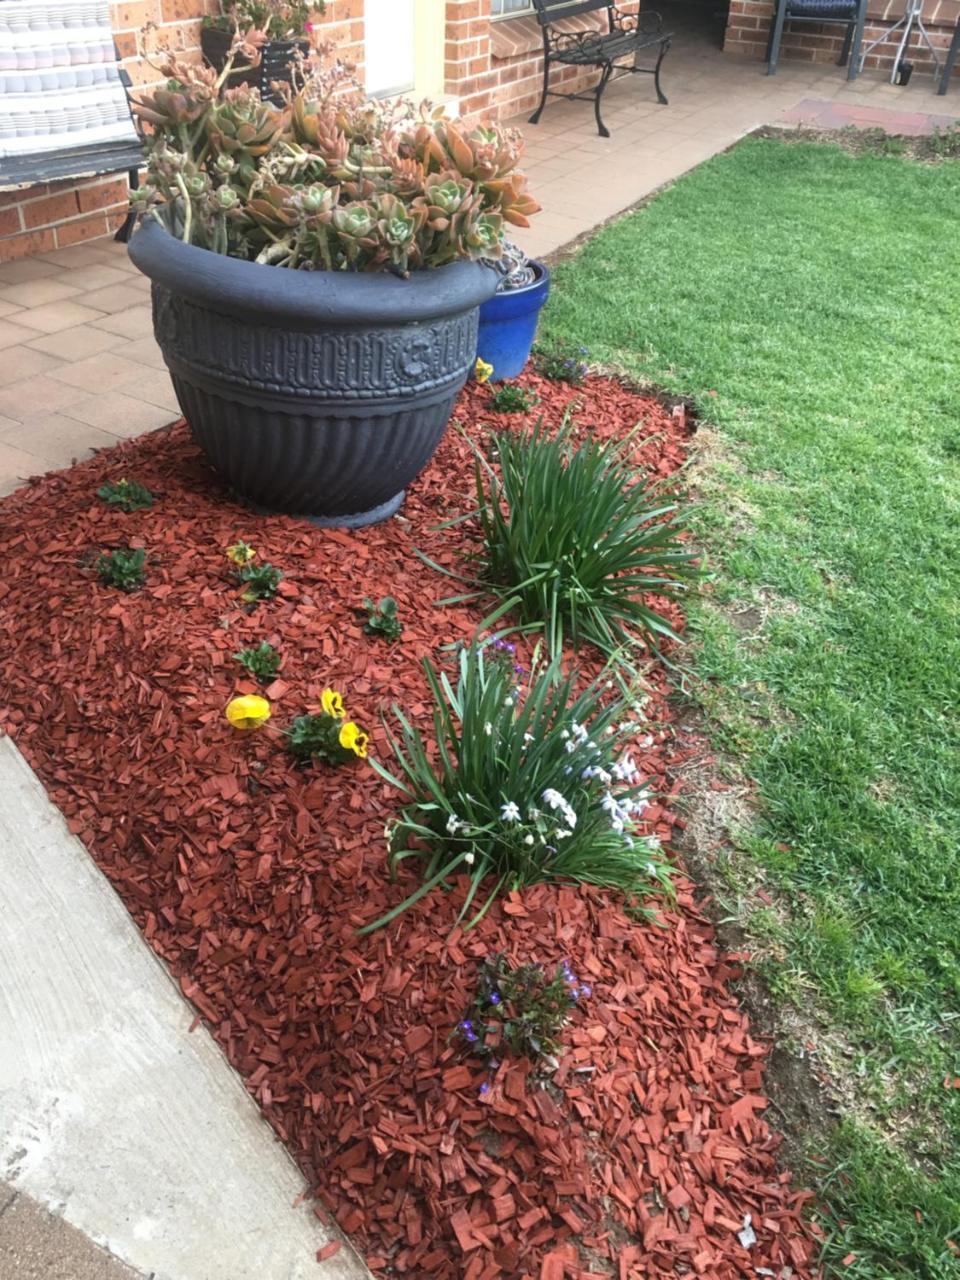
[(261, 581), (382, 619), (128, 495), (510, 398), (122, 568), (262, 662)]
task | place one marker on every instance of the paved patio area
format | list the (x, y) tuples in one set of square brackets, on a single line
[(79, 368)]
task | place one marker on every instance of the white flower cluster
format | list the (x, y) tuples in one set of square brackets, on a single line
[(561, 805), (624, 770), (622, 812)]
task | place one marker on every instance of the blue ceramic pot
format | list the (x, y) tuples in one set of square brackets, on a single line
[(508, 325)]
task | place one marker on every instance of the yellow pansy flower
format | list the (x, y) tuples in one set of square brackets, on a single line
[(332, 703), (240, 553), (482, 370), (248, 712), (352, 738)]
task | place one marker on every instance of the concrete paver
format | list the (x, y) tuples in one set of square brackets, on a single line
[(54, 316), (16, 465)]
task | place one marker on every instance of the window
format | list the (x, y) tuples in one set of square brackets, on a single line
[(506, 8)]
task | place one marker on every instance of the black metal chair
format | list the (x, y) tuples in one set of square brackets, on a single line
[(850, 13), (951, 62)]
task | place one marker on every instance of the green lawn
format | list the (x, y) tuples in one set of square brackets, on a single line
[(809, 300)]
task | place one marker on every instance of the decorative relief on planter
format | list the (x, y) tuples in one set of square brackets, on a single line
[(317, 365)]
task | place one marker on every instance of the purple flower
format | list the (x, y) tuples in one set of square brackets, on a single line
[(586, 991), (466, 1025), (484, 1088), (494, 997)]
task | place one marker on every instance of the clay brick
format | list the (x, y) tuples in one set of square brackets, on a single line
[(48, 209), (27, 244), (126, 43), (103, 195), (10, 198), (131, 15), (10, 222), (82, 229)]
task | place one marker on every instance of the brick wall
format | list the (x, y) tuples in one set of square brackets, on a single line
[(492, 68), (748, 28)]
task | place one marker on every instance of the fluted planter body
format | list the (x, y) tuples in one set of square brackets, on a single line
[(318, 393)]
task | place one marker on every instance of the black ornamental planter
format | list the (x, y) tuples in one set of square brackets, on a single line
[(276, 57), (318, 393)]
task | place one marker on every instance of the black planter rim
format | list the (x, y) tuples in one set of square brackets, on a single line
[(304, 299)]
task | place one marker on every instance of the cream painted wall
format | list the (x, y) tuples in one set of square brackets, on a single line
[(405, 47), (428, 34)]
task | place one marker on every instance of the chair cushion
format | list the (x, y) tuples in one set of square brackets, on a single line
[(826, 9), (60, 86)]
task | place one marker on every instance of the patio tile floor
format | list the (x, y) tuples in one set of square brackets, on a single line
[(79, 368)]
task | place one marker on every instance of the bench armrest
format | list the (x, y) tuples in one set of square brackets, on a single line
[(645, 23)]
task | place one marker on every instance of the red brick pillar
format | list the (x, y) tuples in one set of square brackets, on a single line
[(467, 74), (748, 26)]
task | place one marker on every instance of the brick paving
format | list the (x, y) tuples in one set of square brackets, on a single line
[(79, 369), (821, 113)]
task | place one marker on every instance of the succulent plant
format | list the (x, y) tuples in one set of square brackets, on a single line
[(328, 179), (278, 19)]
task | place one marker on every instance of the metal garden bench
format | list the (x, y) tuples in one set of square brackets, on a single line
[(626, 36), (64, 110)]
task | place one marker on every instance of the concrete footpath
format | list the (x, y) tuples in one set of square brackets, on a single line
[(114, 1117)]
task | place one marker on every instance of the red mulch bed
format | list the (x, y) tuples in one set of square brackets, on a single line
[(249, 877)]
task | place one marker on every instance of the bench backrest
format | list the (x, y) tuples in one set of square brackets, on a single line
[(549, 11), (60, 84)]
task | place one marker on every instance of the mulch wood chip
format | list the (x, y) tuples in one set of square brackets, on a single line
[(646, 1151)]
